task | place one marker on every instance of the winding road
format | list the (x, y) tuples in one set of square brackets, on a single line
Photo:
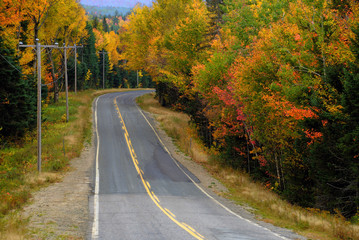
[(140, 192)]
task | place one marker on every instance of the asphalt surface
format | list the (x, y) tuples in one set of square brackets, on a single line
[(142, 193)]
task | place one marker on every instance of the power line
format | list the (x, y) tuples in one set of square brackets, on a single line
[(103, 68), (11, 64), (66, 80)]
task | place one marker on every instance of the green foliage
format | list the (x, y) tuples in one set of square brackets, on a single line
[(90, 60), (105, 26), (17, 96)]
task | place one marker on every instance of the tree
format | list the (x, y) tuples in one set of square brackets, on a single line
[(216, 8), (334, 159), (273, 87), (17, 96), (90, 62), (66, 28), (105, 26)]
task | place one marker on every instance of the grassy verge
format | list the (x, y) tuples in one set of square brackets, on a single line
[(312, 223), (61, 142)]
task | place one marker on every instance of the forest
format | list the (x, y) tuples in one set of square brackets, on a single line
[(272, 86), (62, 22)]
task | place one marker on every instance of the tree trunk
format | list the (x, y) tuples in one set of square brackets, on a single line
[(248, 158), (56, 85), (278, 170), (36, 33)]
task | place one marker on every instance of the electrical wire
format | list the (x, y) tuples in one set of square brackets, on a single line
[(11, 64)]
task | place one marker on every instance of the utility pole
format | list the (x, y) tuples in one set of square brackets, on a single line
[(38, 47), (66, 85), (75, 68), (137, 78), (66, 78), (103, 68)]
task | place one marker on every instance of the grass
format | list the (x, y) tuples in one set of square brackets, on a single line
[(61, 142), (312, 223)]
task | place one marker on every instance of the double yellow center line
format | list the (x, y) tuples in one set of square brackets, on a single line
[(147, 185)]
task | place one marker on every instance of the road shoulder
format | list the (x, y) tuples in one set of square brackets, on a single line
[(61, 210)]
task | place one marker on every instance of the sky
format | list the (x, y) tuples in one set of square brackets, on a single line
[(116, 3)]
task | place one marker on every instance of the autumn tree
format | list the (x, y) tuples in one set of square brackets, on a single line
[(68, 29), (274, 83)]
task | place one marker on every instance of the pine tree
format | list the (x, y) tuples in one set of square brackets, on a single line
[(105, 26), (17, 96), (90, 59), (350, 102), (334, 160)]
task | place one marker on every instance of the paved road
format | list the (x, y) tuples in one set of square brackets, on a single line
[(141, 192)]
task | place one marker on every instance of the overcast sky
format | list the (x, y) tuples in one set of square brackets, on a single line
[(115, 3)]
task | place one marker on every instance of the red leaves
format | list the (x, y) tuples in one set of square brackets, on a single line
[(240, 115), (262, 161), (312, 135), (299, 114), (224, 96)]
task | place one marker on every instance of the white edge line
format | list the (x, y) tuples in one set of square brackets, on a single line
[(95, 228), (216, 201)]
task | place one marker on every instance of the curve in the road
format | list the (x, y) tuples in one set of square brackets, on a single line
[(141, 192)]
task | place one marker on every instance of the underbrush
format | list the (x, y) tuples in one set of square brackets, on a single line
[(312, 223)]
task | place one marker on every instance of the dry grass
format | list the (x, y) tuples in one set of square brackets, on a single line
[(312, 223), (176, 125)]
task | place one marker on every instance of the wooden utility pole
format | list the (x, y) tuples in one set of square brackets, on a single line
[(75, 68), (66, 85), (38, 56), (103, 68), (38, 47), (66, 78)]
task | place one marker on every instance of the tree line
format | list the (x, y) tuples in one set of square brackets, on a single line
[(55, 21), (272, 86)]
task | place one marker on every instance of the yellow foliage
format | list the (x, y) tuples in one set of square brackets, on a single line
[(88, 75), (50, 20), (166, 40)]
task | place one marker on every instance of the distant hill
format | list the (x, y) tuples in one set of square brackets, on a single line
[(97, 10)]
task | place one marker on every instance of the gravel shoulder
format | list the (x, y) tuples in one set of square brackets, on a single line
[(60, 211)]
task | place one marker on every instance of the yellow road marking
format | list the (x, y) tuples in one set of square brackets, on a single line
[(154, 195), (154, 198), (170, 212), (188, 226)]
